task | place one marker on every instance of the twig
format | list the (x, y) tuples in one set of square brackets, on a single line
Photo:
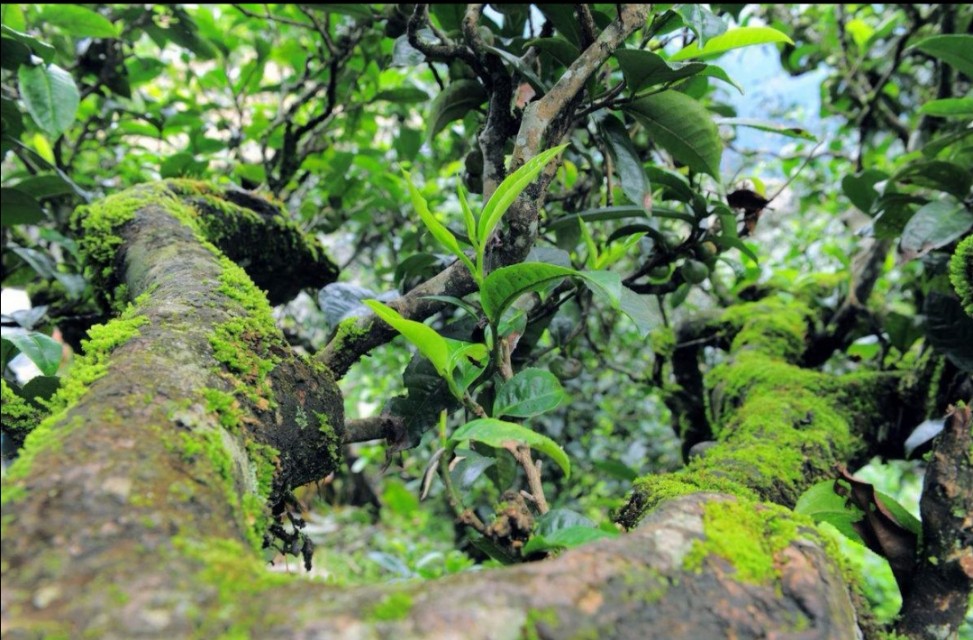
[(521, 453)]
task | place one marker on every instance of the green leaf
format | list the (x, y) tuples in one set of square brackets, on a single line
[(529, 393), (353, 10), (50, 95), (19, 208), (78, 21), (503, 286), (566, 538), (402, 95), (495, 433), (42, 350), (948, 108), (701, 20), (860, 188), (41, 388), (772, 127), (469, 219), (430, 344), (822, 504), (638, 309), (455, 101), (739, 37), (645, 69), (954, 49), (13, 53), (949, 329), (45, 186), (937, 174), (42, 50), (683, 127), (508, 191), (443, 236), (556, 47), (933, 226), (628, 164), (521, 67)]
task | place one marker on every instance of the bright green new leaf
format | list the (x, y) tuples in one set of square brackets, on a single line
[(822, 504), (42, 350), (772, 127), (496, 433), (78, 21), (50, 95), (508, 191), (430, 344), (739, 37), (529, 393), (683, 127), (468, 217), (443, 236), (949, 108), (506, 284)]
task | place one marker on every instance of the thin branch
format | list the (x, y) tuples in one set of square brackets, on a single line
[(521, 453)]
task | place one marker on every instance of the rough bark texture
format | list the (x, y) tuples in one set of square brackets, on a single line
[(136, 508)]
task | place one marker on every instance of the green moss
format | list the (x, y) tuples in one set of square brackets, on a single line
[(961, 273), (239, 580), (102, 341), (333, 441), (348, 332), (746, 534), (535, 617), (394, 606), (772, 326), (19, 415), (225, 406)]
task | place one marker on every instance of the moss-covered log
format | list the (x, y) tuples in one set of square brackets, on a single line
[(136, 507)]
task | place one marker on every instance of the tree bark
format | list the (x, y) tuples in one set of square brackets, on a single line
[(136, 509)]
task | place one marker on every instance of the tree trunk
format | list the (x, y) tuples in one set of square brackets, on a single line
[(137, 508)]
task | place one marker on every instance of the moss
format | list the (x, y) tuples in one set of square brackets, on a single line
[(19, 415), (536, 617), (772, 326), (225, 406), (747, 535), (333, 441), (101, 342), (961, 273), (236, 575), (347, 333), (394, 606)]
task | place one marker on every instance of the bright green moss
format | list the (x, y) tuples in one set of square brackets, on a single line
[(102, 340), (772, 326), (961, 273), (225, 406), (18, 414), (348, 332), (747, 535), (536, 617), (394, 606)]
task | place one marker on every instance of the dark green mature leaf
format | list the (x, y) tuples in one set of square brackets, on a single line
[(739, 37), (772, 127), (937, 174), (935, 225), (45, 186), (558, 48), (496, 433), (13, 53), (860, 188), (645, 69), (42, 50), (638, 309), (470, 467), (566, 538), (954, 49), (455, 101), (42, 350), (522, 68), (427, 395), (894, 211), (41, 388), (50, 95), (529, 393), (949, 329), (683, 127), (627, 161), (402, 95), (78, 21), (19, 207), (563, 17)]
